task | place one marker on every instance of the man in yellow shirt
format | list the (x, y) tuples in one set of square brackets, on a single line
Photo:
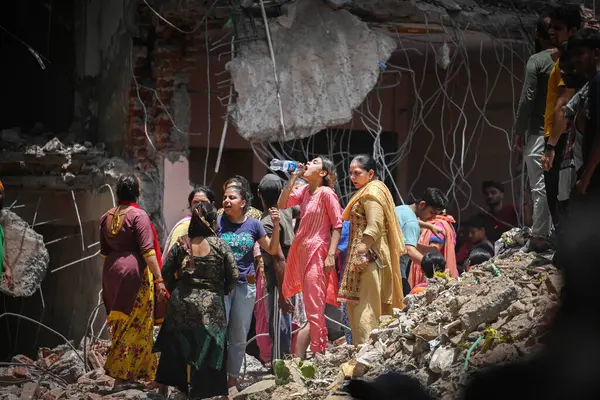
[(565, 20)]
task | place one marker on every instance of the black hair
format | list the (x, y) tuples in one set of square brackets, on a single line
[(478, 256), (567, 13), (366, 162), (210, 195), (543, 27), (492, 184), (244, 194), (239, 180), (435, 198), (478, 221), (1, 199), (433, 262), (269, 189), (542, 32), (128, 188), (587, 38), (573, 79), (329, 167), (204, 216)]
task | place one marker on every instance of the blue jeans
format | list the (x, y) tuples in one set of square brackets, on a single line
[(239, 307)]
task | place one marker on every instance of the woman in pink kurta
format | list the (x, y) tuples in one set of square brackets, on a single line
[(311, 261)]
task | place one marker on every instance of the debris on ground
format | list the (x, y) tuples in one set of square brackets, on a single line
[(498, 311), (495, 313), (25, 252)]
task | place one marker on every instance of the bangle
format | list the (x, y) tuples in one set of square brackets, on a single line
[(159, 280)]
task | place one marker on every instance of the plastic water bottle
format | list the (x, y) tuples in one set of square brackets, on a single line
[(283, 165)]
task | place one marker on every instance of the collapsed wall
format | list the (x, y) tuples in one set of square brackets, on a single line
[(25, 253), (326, 61), (45, 162)]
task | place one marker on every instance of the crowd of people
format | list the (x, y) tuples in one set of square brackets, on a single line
[(557, 116), (303, 250), (224, 268)]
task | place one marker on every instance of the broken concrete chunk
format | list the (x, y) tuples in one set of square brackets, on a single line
[(69, 366), (354, 369), (487, 308), (517, 308), (554, 283), (426, 331), (442, 359), (318, 59), (26, 254), (369, 355), (518, 327), (256, 388)]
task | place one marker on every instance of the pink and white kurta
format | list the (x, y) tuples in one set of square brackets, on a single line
[(305, 269)]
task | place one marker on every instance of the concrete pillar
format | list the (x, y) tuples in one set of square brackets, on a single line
[(177, 188)]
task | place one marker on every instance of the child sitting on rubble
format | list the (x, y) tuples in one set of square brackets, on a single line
[(478, 236), (477, 256), (432, 262)]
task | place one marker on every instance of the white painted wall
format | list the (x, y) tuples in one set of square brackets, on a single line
[(177, 188)]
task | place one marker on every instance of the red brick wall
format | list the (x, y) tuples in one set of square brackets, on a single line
[(161, 62)]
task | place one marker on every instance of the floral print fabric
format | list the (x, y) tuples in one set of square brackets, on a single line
[(130, 356)]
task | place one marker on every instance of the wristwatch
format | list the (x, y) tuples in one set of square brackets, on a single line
[(550, 147)]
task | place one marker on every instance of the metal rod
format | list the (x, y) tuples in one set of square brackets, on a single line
[(78, 220), (75, 262), (270, 43)]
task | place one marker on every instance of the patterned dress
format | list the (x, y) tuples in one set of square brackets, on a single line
[(128, 292), (369, 290), (195, 327)]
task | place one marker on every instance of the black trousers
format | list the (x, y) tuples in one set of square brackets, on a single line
[(551, 179)]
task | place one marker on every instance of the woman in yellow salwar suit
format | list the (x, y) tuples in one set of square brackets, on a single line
[(371, 283)]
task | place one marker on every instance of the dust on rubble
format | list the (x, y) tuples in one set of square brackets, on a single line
[(505, 302), (499, 311), (47, 155)]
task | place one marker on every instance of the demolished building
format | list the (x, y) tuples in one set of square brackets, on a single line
[(153, 86), (498, 312)]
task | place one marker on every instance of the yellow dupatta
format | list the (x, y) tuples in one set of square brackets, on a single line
[(378, 191)]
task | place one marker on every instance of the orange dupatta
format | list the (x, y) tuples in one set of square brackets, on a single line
[(416, 275)]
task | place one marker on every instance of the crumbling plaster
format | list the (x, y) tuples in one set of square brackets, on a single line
[(326, 61)]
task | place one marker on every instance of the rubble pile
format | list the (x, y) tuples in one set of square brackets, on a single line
[(44, 155), (495, 313), (60, 373)]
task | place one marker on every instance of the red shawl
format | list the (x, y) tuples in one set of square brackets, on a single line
[(156, 243)]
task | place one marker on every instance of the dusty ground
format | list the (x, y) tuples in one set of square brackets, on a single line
[(499, 311)]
